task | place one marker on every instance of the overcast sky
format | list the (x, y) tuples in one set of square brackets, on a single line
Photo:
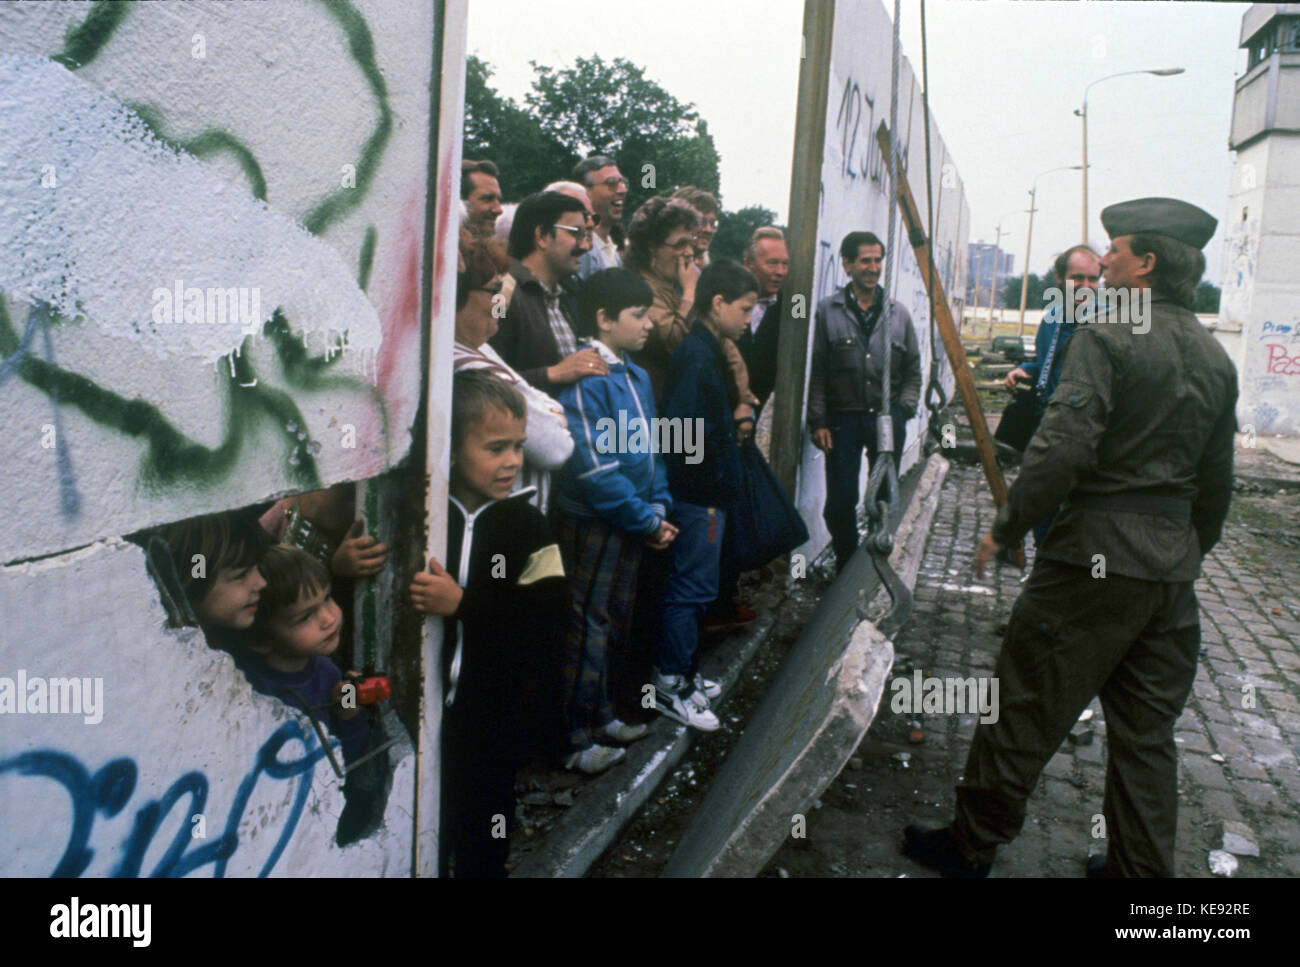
[(1005, 79)]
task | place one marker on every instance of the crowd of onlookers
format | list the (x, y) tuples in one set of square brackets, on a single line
[(587, 552), (582, 565)]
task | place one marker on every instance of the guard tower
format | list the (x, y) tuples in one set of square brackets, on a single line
[(1261, 286)]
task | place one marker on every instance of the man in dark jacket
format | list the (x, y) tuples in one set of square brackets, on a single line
[(548, 236), (844, 392), (1076, 269), (1137, 444), (768, 258)]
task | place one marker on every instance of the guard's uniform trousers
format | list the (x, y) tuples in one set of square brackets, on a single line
[(1132, 642)]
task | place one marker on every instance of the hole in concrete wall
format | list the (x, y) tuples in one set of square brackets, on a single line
[(272, 607)]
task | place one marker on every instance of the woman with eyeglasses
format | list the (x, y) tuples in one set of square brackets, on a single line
[(706, 203), (478, 293), (661, 248)]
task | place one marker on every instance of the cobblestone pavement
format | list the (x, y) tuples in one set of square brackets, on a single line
[(1238, 736)]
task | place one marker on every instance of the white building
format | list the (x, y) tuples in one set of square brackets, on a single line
[(1261, 287)]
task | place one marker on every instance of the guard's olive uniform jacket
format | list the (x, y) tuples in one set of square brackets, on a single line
[(1137, 444)]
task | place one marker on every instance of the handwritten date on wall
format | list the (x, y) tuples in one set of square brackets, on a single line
[(858, 155)]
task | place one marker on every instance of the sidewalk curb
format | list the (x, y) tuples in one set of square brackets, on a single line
[(609, 802), (813, 716), (1289, 484)]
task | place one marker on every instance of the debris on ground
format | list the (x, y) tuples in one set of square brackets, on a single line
[(1239, 839), (1222, 863)]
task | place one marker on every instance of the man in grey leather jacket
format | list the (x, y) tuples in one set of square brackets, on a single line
[(844, 393)]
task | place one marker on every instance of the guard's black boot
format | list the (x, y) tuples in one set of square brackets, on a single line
[(937, 849)]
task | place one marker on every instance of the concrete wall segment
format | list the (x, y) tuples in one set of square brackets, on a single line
[(855, 195), (278, 148), (283, 150), (118, 796)]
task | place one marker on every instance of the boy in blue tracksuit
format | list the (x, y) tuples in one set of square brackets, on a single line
[(700, 390), (610, 499)]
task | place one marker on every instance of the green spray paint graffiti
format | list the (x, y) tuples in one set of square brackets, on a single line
[(362, 47), (83, 42), (172, 458), (206, 144)]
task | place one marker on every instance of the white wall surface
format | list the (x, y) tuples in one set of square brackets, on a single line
[(114, 420), (279, 148), (181, 736), (855, 196), (1261, 293)]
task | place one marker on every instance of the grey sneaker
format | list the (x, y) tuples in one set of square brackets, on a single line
[(619, 731), (594, 760)]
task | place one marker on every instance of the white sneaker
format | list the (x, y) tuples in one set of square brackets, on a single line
[(706, 687), (676, 698), (594, 760), (619, 731)]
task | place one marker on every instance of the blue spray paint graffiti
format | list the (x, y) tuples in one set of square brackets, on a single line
[(39, 318), (106, 793)]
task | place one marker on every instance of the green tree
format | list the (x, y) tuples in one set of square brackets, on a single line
[(734, 229), (612, 108), (1035, 293), (498, 129), (1207, 297)]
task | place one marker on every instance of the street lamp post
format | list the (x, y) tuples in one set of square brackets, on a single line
[(1083, 114), (1029, 238)]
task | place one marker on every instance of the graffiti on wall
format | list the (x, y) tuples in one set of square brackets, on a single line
[(213, 248), (108, 790), (855, 194), (1241, 250), (129, 189)]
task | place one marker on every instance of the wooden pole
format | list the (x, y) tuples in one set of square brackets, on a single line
[(951, 339), (805, 196)]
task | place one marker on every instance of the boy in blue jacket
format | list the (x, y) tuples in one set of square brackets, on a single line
[(611, 498), (700, 388)]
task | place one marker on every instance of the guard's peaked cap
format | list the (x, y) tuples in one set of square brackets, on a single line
[(1160, 216)]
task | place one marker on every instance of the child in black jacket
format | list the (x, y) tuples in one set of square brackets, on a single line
[(502, 599)]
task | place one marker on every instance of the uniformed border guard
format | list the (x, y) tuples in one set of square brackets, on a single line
[(1137, 445)]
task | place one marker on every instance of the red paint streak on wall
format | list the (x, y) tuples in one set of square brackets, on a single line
[(444, 211), (401, 319)]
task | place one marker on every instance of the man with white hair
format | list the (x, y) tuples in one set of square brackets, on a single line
[(768, 258)]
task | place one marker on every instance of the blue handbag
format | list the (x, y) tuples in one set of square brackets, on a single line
[(763, 523)]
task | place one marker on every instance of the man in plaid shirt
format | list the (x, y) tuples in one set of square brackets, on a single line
[(548, 238)]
